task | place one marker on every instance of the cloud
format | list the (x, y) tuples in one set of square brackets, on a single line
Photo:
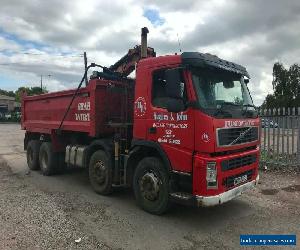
[(40, 37), (8, 46)]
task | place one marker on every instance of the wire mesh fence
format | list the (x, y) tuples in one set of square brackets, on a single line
[(280, 136)]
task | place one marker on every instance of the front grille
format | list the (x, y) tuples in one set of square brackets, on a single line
[(229, 181), (238, 162), (230, 136)]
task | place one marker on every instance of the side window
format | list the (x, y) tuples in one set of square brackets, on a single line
[(159, 96)]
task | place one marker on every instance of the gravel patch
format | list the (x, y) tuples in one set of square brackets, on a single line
[(34, 219)]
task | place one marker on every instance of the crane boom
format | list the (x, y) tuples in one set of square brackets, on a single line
[(127, 63)]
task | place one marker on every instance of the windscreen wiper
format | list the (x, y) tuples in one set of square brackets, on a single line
[(223, 112), (229, 104), (249, 105)]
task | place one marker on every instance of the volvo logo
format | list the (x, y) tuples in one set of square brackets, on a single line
[(242, 134)]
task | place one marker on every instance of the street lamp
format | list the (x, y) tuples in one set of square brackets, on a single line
[(42, 81)]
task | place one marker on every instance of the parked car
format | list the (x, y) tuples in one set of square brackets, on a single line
[(8, 116), (267, 123), (17, 115)]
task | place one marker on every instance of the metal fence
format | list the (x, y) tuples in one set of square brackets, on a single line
[(280, 136)]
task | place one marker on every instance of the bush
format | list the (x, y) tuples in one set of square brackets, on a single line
[(11, 117)]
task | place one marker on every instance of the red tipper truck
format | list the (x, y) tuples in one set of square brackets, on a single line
[(185, 130)]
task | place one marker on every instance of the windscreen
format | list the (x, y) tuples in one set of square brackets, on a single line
[(222, 93)]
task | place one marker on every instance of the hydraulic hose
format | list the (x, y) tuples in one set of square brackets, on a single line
[(92, 65)]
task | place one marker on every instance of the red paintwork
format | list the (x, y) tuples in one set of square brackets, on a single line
[(181, 139), (199, 172), (43, 113)]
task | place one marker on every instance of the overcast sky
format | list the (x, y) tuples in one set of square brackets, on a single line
[(49, 37)]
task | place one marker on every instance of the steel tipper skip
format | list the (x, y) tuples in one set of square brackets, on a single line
[(184, 130)]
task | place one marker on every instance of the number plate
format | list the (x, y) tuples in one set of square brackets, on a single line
[(239, 180)]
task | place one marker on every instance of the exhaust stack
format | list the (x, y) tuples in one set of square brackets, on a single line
[(144, 45)]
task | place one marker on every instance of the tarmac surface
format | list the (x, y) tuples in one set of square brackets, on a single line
[(63, 212)]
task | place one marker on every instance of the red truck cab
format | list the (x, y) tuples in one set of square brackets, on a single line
[(212, 140)]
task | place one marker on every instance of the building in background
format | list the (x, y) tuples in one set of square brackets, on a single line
[(8, 104)]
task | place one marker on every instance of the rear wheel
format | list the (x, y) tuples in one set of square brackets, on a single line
[(100, 173), (49, 160), (151, 185), (32, 154)]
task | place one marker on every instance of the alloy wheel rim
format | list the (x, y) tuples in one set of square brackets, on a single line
[(150, 186), (100, 172)]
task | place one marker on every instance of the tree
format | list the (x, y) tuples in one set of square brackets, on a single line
[(7, 93), (270, 102), (286, 86), (29, 91)]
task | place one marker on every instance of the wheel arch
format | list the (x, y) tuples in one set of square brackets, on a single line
[(141, 149), (35, 136), (29, 137), (101, 144)]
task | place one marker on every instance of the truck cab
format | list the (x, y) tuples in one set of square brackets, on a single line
[(197, 110)]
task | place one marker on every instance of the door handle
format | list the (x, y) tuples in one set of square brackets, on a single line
[(152, 130)]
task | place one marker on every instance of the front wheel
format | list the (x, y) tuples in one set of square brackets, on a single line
[(151, 185)]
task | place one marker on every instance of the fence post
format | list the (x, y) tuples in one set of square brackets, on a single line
[(273, 132), (269, 114), (298, 139), (283, 132), (278, 135), (293, 118), (288, 126)]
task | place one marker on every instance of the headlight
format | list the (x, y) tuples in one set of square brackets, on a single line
[(211, 171)]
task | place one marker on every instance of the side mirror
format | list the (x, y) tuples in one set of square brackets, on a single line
[(174, 86), (175, 105)]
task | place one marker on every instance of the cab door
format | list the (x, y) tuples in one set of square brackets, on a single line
[(174, 131)]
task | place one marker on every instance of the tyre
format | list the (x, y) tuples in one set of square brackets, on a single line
[(100, 173), (32, 154), (151, 186), (49, 161)]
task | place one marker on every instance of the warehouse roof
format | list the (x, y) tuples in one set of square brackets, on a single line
[(4, 97)]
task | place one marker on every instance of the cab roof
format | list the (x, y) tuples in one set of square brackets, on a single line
[(202, 60)]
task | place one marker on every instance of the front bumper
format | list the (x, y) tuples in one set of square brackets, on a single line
[(208, 201)]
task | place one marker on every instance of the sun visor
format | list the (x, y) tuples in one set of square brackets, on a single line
[(202, 60)]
